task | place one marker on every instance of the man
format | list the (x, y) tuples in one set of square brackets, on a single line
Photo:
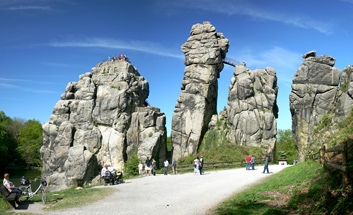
[(253, 162), (248, 159), (11, 187), (174, 163), (166, 164), (266, 165), (201, 165)]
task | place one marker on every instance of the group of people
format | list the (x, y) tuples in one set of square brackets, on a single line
[(250, 161), (153, 167), (198, 165), (148, 167), (120, 57)]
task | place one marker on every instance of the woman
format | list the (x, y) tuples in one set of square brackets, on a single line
[(148, 166), (154, 167), (196, 165), (11, 187)]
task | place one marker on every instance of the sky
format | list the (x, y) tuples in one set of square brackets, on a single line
[(45, 44)]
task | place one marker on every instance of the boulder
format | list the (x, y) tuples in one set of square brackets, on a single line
[(92, 123), (204, 52)]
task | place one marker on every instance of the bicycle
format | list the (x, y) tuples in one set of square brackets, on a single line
[(27, 190)]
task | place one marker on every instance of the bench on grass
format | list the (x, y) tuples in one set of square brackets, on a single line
[(8, 197)]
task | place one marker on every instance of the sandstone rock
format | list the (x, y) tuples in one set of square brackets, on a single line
[(252, 109), (93, 125), (204, 52), (315, 94)]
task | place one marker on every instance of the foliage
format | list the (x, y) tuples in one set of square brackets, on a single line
[(9, 129), (224, 152), (252, 201), (285, 146), (169, 144), (131, 165), (31, 140), (150, 134), (20, 141)]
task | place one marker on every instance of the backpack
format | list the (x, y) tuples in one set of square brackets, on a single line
[(24, 181)]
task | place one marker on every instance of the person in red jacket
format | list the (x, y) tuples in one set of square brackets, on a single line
[(248, 160)]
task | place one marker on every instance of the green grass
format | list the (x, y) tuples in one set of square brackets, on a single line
[(249, 201), (69, 198)]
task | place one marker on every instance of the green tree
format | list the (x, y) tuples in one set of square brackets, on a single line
[(131, 166), (30, 142), (4, 144), (285, 146)]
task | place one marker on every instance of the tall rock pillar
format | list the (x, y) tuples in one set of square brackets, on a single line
[(314, 91), (204, 53)]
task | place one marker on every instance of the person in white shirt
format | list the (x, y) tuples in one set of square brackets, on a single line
[(140, 166), (166, 164), (11, 187), (105, 168)]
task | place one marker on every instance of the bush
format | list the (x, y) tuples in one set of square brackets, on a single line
[(131, 166)]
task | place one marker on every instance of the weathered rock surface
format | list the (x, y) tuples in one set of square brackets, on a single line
[(204, 52), (316, 93), (252, 108), (100, 120)]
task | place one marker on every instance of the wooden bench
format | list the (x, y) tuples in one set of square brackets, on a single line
[(8, 197)]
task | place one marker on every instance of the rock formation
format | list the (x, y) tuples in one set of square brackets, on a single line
[(204, 52), (315, 93), (252, 108), (101, 119)]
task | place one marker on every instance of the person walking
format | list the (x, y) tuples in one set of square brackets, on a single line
[(266, 165), (248, 159), (154, 167), (174, 165), (196, 165), (166, 164), (201, 165), (253, 162)]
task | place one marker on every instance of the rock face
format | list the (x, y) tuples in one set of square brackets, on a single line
[(315, 93), (204, 52), (252, 108), (100, 120)]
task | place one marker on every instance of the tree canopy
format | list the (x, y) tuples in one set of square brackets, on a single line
[(285, 147), (20, 141)]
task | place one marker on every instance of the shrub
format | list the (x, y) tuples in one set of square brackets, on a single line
[(150, 134), (131, 166)]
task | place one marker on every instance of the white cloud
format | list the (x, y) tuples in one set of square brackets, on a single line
[(26, 89), (285, 62), (143, 46), (242, 7), (28, 7)]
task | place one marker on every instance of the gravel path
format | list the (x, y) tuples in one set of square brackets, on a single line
[(172, 194)]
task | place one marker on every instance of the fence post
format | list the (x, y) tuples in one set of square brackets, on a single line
[(344, 163)]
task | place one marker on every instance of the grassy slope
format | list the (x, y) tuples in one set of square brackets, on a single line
[(69, 198), (259, 198)]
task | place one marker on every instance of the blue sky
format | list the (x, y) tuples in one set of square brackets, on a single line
[(45, 44)]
